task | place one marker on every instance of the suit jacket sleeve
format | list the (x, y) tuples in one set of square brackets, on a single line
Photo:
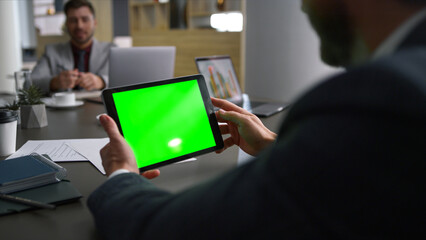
[(349, 162), (43, 72), (99, 60)]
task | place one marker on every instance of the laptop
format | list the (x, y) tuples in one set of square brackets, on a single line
[(222, 82), (135, 65), (128, 66)]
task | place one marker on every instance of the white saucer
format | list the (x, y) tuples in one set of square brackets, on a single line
[(51, 103)]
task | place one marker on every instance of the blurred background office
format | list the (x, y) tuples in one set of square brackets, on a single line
[(274, 49)]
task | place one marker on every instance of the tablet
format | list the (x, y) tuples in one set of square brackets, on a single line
[(165, 121)]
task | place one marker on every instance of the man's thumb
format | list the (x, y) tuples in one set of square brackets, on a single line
[(109, 126)]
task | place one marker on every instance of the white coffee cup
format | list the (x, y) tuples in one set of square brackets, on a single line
[(64, 98), (8, 128)]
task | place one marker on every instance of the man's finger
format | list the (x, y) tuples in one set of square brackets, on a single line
[(226, 105), (232, 116), (150, 174), (109, 126), (77, 81), (104, 150), (229, 142), (88, 85), (83, 84), (224, 129), (70, 73)]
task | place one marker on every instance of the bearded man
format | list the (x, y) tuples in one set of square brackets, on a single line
[(81, 63)]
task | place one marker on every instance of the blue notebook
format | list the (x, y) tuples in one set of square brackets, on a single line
[(29, 171)]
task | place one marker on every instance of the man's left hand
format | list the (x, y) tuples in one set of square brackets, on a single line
[(90, 81)]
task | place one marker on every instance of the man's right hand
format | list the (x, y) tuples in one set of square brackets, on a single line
[(246, 129), (117, 154), (65, 80)]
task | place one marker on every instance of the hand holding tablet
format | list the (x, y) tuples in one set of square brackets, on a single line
[(165, 121), (117, 153)]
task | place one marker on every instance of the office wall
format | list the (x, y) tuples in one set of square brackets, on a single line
[(26, 22), (10, 45), (104, 16), (120, 10), (281, 50)]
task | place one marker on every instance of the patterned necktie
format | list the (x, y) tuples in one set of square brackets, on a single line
[(81, 64)]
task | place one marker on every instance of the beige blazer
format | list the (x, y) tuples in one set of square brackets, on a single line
[(58, 57)]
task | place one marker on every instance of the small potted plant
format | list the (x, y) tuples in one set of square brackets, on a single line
[(15, 108), (33, 110)]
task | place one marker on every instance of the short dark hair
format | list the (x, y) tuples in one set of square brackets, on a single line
[(74, 4)]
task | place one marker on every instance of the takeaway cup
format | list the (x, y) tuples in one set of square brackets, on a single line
[(8, 128)]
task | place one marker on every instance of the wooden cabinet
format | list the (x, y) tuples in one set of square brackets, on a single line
[(199, 11), (150, 26), (155, 15), (146, 15)]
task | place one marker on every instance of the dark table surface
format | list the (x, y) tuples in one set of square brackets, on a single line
[(73, 220)]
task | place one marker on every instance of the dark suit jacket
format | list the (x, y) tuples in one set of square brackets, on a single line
[(58, 57), (349, 163)]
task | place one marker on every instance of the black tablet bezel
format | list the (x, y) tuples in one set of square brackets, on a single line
[(112, 112)]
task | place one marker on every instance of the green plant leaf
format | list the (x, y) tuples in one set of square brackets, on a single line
[(30, 96), (13, 106)]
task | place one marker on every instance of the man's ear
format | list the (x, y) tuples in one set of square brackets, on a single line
[(64, 29)]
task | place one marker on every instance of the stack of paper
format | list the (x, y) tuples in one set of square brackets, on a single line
[(67, 150)]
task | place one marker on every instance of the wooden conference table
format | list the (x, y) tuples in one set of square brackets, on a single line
[(73, 220)]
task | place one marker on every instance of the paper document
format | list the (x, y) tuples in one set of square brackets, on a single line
[(70, 150), (87, 94), (58, 150), (67, 150), (90, 149)]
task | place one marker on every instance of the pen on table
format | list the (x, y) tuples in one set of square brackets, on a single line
[(26, 201)]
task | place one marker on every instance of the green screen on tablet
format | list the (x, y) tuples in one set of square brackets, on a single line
[(164, 121)]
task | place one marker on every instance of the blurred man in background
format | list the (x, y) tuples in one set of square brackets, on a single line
[(81, 63)]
